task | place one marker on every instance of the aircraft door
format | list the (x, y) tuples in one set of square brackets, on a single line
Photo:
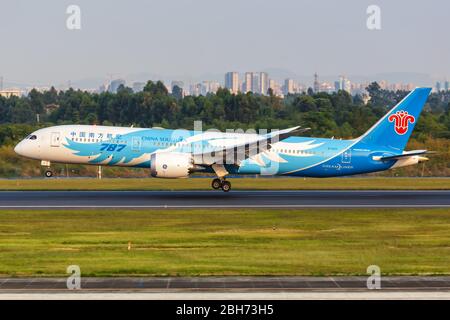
[(55, 139)]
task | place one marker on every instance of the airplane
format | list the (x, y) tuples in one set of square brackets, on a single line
[(179, 153)]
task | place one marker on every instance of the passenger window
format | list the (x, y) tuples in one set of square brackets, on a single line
[(33, 137)]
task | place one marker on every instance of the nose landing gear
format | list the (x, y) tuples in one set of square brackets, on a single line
[(221, 184), (48, 173)]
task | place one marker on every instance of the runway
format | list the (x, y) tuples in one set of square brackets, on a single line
[(218, 199), (225, 288), (230, 284)]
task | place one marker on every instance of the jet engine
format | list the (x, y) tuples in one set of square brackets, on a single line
[(171, 165)]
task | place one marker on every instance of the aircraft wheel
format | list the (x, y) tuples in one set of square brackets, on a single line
[(216, 184), (48, 173), (226, 186)]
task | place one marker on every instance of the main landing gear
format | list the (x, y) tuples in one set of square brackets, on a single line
[(221, 184)]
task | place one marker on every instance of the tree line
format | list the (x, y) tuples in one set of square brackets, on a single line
[(337, 114)]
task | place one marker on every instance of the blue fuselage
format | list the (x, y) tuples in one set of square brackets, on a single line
[(294, 156)]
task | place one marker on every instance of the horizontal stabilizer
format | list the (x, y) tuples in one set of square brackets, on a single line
[(404, 155)]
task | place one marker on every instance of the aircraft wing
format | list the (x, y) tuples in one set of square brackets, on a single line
[(242, 150)]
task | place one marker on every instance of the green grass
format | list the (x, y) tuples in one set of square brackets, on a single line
[(231, 242), (242, 183)]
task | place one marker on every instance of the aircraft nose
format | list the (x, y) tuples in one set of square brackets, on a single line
[(19, 148)]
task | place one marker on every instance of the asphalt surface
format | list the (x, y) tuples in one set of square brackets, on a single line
[(226, 284), (219, 199)]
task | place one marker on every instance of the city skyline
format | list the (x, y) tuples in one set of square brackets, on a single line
[(280, 76), (256, 82)]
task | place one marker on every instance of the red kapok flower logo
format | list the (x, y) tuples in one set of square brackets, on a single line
[(402, 120)]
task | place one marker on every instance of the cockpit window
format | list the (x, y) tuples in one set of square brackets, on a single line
[(33, 137)]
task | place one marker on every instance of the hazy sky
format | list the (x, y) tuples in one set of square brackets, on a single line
[(196, 37)]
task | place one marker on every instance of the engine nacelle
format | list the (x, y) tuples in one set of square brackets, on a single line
[(171, 165)]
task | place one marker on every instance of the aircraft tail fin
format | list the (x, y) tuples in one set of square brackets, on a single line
[(395, 128)]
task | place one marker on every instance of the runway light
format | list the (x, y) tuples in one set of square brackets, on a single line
[(129, 245)]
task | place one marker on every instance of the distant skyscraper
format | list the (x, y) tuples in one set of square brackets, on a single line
[(288, 86), (247, 86), (263, 82), (438, 87), (232, 81), (337, 86), (446, 85), (347, 85), (204, 88), (209, 87), (343, 84), (214, 86), (316, 83), (255, 83), (115, 84), (195, 89), (276, 89)]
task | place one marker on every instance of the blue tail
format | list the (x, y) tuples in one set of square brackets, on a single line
[(395, 128)]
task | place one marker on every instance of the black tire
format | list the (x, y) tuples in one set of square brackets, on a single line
[(48, 174), (226, 186), (216, 184)]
